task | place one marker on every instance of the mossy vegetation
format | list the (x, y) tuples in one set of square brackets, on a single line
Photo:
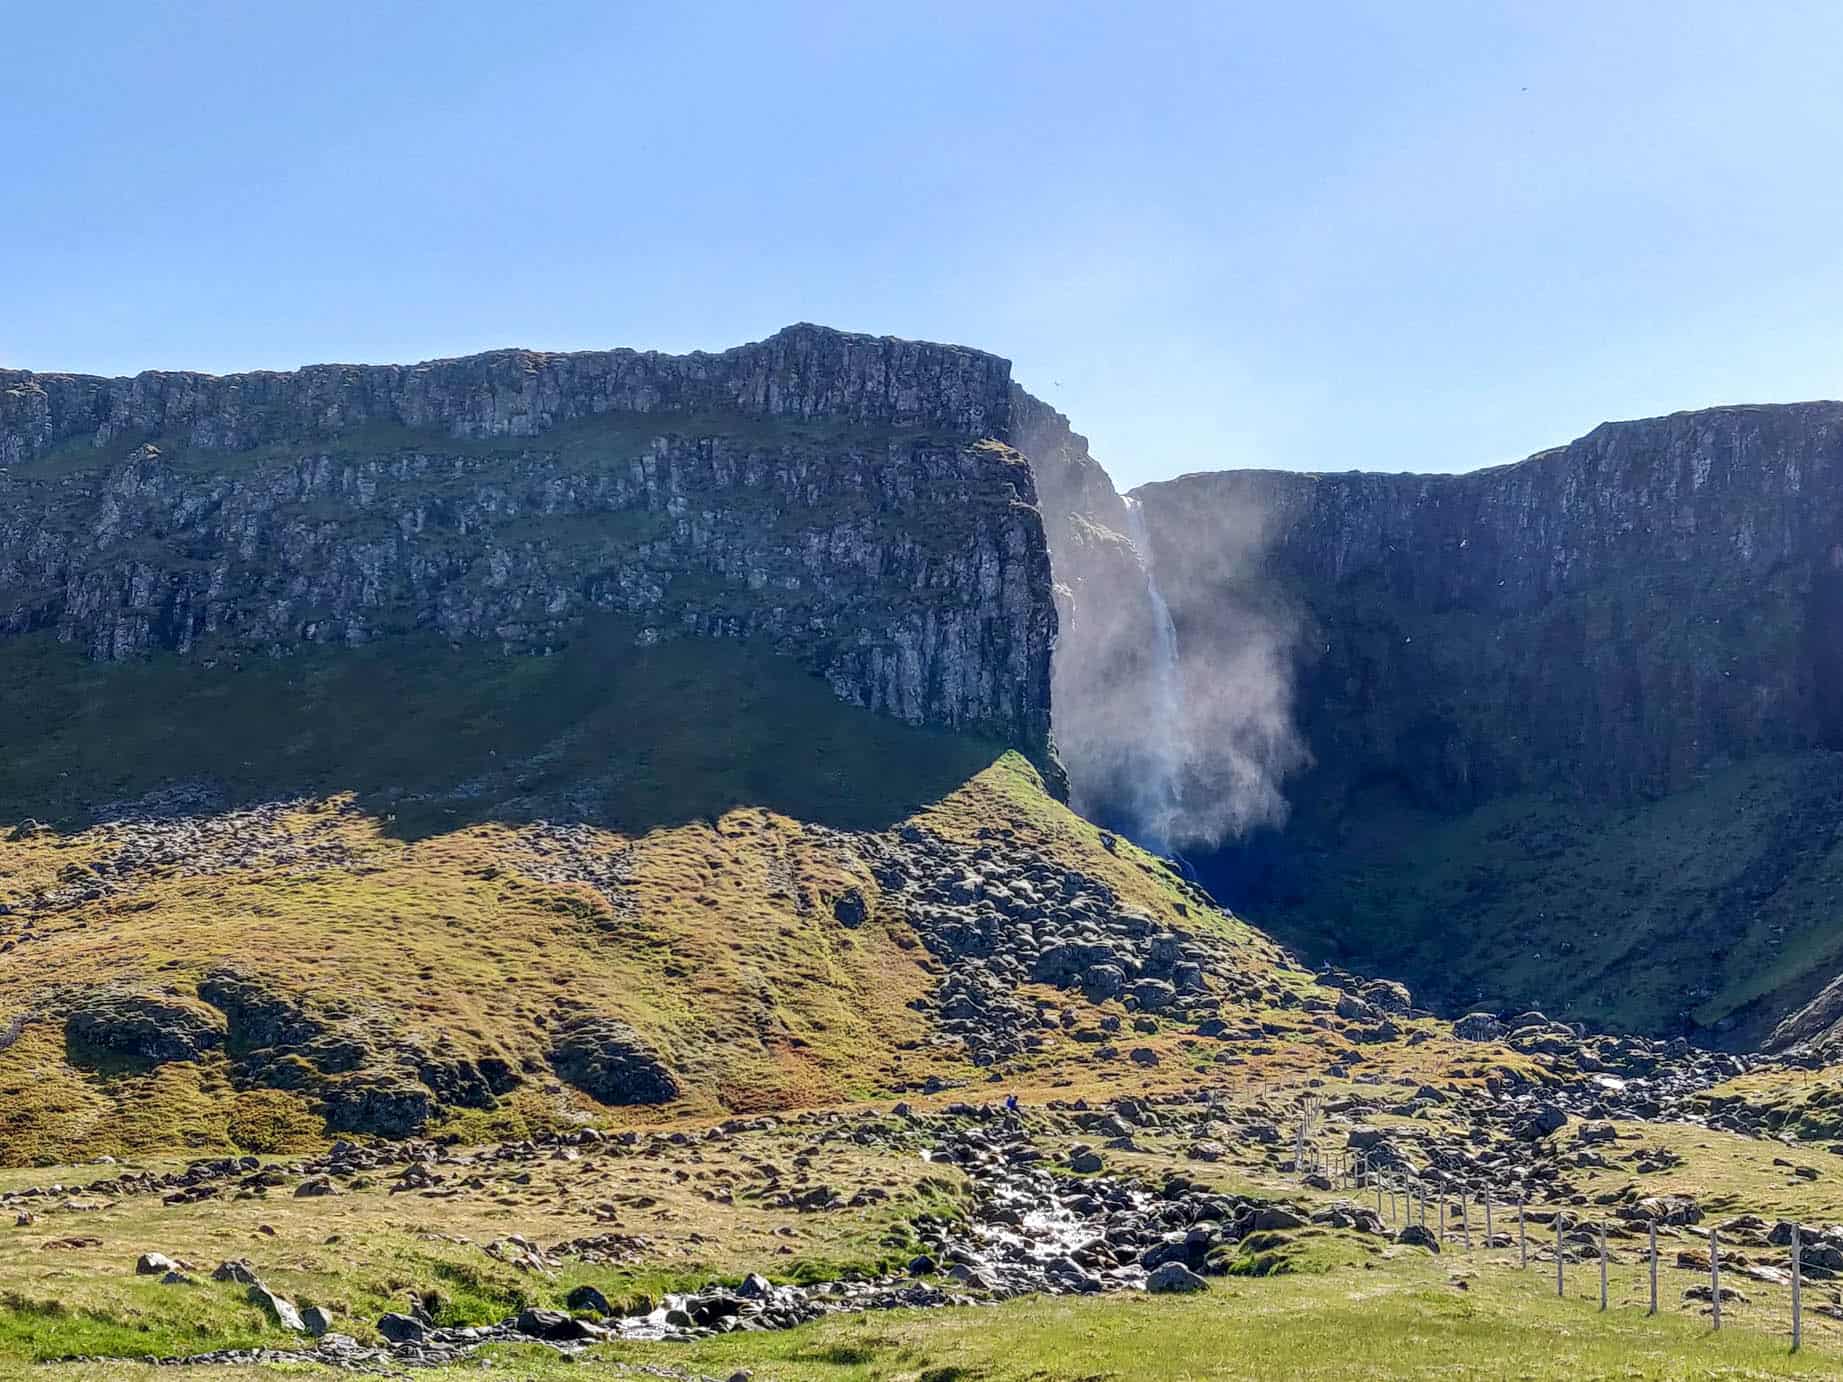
[(1715, 909), (428, 736)]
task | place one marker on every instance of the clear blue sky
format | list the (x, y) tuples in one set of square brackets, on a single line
[(1403, 235)]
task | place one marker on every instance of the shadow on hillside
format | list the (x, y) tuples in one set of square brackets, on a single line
[(431, 737)]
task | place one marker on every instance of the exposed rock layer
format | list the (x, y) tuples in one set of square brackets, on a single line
[(840, 496), (1611, 617)]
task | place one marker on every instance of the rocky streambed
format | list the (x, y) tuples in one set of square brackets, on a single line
[(1028, 1225)]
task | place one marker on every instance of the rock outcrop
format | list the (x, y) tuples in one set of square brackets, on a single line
[(847, 499), (1611, 617), (805, 372)]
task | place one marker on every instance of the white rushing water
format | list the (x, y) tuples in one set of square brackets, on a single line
[(1159, 797)]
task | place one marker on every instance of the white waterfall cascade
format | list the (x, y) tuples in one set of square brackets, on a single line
[(1159, 799)]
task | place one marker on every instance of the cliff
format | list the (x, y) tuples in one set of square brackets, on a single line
[(841, 498), (1103, 677), (1612, 617), (1572, 721)]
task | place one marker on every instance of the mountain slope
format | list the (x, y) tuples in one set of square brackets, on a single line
[(404, 887)]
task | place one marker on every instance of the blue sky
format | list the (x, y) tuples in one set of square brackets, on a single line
[(1409, 235)]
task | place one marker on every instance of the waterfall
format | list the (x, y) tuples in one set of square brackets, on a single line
[(1158, 798)]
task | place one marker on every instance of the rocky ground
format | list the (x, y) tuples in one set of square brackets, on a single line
[(1093, 1086), (1156, 1192)]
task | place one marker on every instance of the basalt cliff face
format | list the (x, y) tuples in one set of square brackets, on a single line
[(847, 499), (1572, 723), (1614, 616)]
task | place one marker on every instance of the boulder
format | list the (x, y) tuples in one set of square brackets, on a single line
[(1388, 996), (850, 910), (1274, 1217), (402, 1329), (1671, 1210), (552, 1326), (279, 1308), (1101, 982), (1415, 1236), (1174, 1278), (608, 1061), (1354, 1009), (151, 1027), (1478, 1027), (1546, 1121), (586, 1300), (1153, 995)]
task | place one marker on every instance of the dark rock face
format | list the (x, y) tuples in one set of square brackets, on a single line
[(150, 1027), (379, 1103), (1611, 616), (841, 497), (608, 1061), (259, 1017)]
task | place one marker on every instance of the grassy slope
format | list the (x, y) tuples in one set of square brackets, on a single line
[(1721, 904), (401, 890)]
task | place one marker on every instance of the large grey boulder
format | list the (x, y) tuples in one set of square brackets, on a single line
[(278, 1307), (1174, 1278), (1478, 1027), (607, 1060)]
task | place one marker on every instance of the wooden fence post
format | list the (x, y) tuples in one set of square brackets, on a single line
[(1798, 1318), (1558, 1276), (1715, 1276), (1653, 1309)]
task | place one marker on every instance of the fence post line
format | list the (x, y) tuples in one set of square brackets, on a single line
[(1522, 1238), (1715, 1275), (1440, 1238), (1798, 1319), (1653, 1309), (1602, 1265), (1487, 1221), (1559, 1288)]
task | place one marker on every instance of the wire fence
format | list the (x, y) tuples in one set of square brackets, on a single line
[(1406, 1200)]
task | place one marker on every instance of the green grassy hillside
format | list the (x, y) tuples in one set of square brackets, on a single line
[(1714, 910), (412, 869)]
